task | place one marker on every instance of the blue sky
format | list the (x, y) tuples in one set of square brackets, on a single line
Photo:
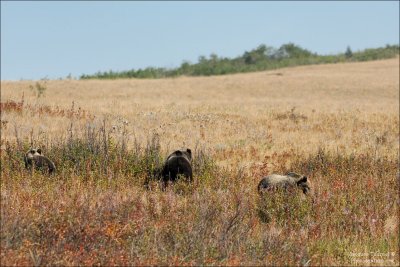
[(54, 39)]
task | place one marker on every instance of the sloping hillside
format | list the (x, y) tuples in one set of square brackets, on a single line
[(336, 124)]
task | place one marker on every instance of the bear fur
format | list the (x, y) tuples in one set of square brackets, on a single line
[(35, 158), (288, 181)]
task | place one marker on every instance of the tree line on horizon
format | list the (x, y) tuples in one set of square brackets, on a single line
[(259, 59)]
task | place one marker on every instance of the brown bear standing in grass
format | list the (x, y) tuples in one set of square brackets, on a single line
[(279, 198), (35, 158), (287, 182), (179, 163)]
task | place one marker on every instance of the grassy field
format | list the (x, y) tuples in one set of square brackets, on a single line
[(338, 124)]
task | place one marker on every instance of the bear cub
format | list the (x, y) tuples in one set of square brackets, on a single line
[(288, 181), (35, 158)]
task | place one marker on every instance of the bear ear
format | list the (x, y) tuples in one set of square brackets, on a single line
[(189, 151), (39, 151), (302, 180)]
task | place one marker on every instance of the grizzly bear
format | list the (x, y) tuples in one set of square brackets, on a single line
[(279, 198), (35, 158), (288, 181), (178, 163)]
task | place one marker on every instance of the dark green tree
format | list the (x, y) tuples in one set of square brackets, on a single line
[(348, 53)]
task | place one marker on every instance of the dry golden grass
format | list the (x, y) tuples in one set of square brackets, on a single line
[(252, 124), (233, 112)]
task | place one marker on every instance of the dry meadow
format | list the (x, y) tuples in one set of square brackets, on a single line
[(338, 124)]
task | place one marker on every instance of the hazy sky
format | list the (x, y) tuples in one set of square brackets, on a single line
[(54, 39)]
